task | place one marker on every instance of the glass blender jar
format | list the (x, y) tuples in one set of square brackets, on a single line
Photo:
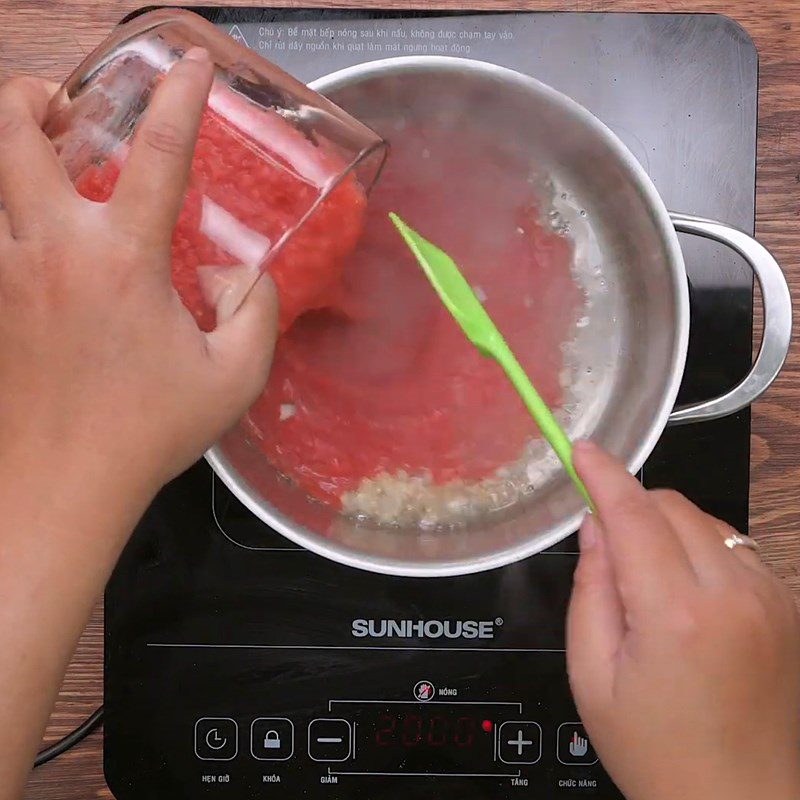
[(279, 177)]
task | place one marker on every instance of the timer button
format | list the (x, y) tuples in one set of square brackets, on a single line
[(330, 740), (216, 739), (519, 742)]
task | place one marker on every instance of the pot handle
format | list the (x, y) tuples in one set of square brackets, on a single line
[(777, 320)]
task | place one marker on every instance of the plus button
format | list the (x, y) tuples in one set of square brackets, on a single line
[(519, 742)]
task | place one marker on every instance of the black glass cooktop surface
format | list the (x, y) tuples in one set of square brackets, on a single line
[(238, 665)]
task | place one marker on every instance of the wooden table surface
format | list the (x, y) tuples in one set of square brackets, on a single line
[(50, 37)]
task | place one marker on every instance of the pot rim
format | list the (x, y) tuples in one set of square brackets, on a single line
[(661, 218)]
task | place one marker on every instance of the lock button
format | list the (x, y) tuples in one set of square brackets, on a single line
[(272, 739)]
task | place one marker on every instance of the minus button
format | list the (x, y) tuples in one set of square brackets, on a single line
[(330, 740)]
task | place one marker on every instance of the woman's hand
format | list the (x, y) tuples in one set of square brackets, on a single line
[(107, 386), (684, 655), (99, 358)]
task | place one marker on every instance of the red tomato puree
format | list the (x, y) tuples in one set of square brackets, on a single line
[(243, 199), (387, 382), (372, 374)]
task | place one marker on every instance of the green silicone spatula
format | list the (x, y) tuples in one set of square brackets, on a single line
[(461, 302)]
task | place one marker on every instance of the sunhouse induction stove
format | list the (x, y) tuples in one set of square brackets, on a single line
[(239, 666)]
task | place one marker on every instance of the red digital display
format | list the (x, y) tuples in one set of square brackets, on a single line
[(425, 738), (425, 730)]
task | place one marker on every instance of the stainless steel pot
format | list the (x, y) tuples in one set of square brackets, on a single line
[(638, 329)]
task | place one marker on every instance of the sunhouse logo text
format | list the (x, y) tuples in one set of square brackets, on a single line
[(424, 629)]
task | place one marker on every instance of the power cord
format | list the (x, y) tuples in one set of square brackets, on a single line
[(71, 739)]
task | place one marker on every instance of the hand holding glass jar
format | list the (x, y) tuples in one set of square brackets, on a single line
[(105, 361)]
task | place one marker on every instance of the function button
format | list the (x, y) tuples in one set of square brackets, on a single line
[(573, 745), (519, 742), (272, 739), (216, 739), (330, 740)]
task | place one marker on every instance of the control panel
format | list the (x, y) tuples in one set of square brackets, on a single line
[(435, 738), (428, 736)]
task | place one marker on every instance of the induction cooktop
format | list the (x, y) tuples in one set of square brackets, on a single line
[(238, 665)]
